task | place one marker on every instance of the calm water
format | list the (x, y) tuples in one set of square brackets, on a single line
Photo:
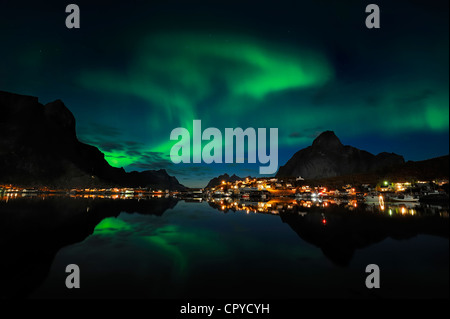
[(165, 248)]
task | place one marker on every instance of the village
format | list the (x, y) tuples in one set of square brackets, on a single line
[(259, 189), (299, 188)]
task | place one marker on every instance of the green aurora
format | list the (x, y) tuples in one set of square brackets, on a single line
[(134, 74)]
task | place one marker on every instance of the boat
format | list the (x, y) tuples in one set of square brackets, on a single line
[(372, 198), (405, 198)]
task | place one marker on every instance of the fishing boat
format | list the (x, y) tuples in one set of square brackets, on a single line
[(405, 198)]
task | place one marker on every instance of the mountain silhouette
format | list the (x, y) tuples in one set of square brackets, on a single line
[(225, 177), (328, 157), (39, 146)]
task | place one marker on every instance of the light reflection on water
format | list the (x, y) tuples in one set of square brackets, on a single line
[(286, 204), (224, 248)]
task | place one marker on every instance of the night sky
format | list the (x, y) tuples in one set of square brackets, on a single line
[(135, 70)]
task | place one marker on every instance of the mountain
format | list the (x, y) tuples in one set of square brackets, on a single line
[(225, 177), (430, 169), (159, 178), (39, 146), (328, 157)]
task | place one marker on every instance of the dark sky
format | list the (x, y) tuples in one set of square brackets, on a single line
[(135, 70)]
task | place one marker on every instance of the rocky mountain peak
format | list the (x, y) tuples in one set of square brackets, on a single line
[(327, 140), (328, 157), (39, 147)]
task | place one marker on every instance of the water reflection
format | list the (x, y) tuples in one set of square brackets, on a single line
[(33, 229), (339, 227), (290, 205)]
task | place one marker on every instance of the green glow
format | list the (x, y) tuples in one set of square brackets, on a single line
[(231, 80), (181, 246), (248, 66), (172, 252), (110, 226), (437, 113), (177, 72), (119, 158)]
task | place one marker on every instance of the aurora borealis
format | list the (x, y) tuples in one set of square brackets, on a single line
[(136, 70)]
